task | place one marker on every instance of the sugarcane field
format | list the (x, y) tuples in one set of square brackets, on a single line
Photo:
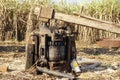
[(59, 40)]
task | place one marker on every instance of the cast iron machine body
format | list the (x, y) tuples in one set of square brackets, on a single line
[(51, 48), (54, 48)]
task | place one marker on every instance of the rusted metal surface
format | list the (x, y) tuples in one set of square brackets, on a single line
[(56, 53), (69, 54), (36, 40), (54, 50), (29, 56), (109, 43), (59, 66)]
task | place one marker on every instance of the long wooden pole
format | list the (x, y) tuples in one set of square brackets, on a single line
[(56, 73), (89, 22)]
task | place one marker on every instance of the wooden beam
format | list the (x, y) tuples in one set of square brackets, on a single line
[(56, 73), (89, 22)]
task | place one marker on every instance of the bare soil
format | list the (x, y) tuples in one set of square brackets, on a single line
[(108, 70)]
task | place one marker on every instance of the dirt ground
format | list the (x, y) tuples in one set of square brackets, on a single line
[(108, 70)]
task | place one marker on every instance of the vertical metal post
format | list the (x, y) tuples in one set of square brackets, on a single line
[(69, 55)]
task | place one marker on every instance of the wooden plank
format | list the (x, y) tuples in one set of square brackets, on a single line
[(89, 22), (3, 68), (46, 12)]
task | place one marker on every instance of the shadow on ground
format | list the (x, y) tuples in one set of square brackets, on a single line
[(12, 48), (97, 51)]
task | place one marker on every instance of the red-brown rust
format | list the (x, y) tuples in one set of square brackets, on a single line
[(109, 43), (58, 65)]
